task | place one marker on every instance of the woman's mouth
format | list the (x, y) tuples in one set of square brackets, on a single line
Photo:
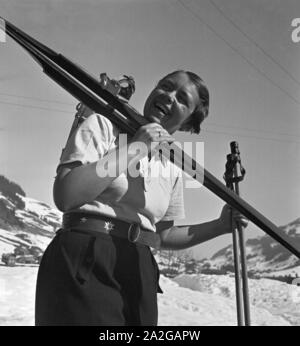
[(161, 109)]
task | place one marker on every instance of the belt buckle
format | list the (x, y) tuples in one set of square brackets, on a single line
[(109, 226), (134, 228)]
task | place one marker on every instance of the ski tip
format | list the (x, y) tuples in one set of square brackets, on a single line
[(2, 22), (2, 30)]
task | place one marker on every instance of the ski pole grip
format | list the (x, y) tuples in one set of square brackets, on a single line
[(234, 148)]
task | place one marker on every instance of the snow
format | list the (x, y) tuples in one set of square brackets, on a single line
[(40, 208), (39, 220), (9, 240), (293, 228), (279, 298), (6, 247), (38, 214), (9, 204), (205, 304), (17, 287), (181, 307), (264, 254)]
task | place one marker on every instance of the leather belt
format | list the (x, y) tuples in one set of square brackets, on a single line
[(114, 227)]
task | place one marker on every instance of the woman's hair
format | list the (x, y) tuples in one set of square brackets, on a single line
[(201, 112)]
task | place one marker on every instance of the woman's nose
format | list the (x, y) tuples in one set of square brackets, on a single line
[(169, 96)]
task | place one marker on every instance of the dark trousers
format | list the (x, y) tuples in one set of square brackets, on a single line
[(95, 279)]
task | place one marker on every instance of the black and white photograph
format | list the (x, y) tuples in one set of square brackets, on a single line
[(149, 164)]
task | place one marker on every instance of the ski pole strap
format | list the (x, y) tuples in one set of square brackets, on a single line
[(233, 161)]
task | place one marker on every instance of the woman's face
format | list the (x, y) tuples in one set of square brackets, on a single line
[(172, 101)]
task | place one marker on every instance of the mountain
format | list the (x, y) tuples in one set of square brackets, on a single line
[(24, 222), (265, 257), (264, 254)]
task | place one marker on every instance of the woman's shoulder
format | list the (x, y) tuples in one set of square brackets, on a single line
[(97, 119)]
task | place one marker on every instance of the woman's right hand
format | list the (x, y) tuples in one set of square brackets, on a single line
[(152, 134)]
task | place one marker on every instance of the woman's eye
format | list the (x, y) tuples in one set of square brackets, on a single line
[(183, 99), (166, 86)]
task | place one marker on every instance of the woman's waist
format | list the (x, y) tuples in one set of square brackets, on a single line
[(132, 231), (120, 211)]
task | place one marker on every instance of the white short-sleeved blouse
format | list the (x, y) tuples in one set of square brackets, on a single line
[(146, 199)]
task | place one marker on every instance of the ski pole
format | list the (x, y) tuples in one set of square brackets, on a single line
[(238, 175), (235, 173)]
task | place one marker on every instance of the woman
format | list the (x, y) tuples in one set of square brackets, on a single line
[(99, 269)]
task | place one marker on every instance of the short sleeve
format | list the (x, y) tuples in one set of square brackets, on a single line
[(89, 142), (175, 209)]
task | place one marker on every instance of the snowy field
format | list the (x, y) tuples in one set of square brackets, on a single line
[(266, 296), (205, 300)]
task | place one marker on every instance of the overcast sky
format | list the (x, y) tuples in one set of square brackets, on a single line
[(242, 49)]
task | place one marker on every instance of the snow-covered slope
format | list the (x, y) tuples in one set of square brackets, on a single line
[(279, 298), (39, 215), (9, 240), (264, 254), (26, 222), (181, 306), (178, 306)]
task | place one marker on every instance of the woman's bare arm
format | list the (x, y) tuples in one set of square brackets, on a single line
[(77, 184), (182, 237), (185, 236)]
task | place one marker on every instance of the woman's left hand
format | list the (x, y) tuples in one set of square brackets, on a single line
[(225, 220)]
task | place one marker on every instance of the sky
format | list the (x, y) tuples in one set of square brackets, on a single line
[(242, 49)]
